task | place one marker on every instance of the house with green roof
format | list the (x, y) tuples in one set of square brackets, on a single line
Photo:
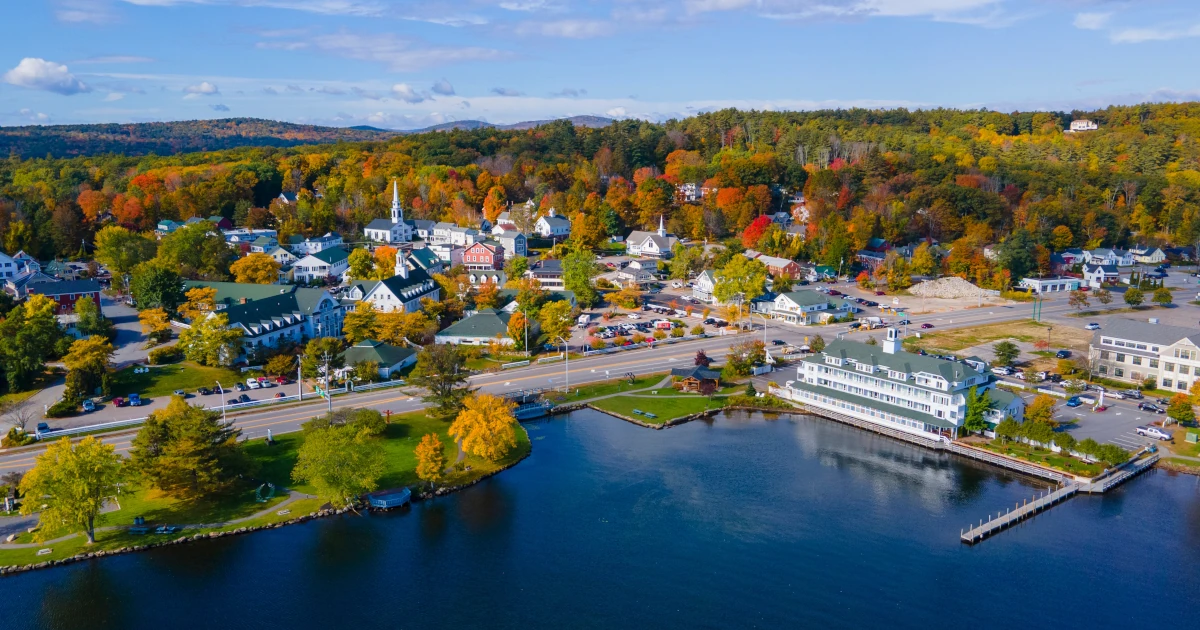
[(402, 292), (885, 385), (820, 272), (425, 260), (270, 313), (316, 267), (480, 329), (391, 359)]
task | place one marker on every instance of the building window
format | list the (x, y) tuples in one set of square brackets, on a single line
[(1137, 360), (1168, 367), (1120, 358), (1119, 373), (1104, 355), (1183, 369), (1154, 364), (1104, 369), (1181, 385)]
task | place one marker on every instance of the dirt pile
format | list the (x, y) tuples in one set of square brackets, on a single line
[(948, 288)]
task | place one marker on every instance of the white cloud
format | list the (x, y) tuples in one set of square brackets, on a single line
[(529, 6), (84, 11), (1153, 34), (39, 74), (1091, 21), (443, 87), (616, 112), (569, 29), (979, 12), (113, 96), (204, 88), (219, 107), (503, 91), (399, 54), (406, 93), (570, 93), (355, 8)]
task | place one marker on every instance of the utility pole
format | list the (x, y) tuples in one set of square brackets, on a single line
[(566, 365), (328, 395), (220, 389)]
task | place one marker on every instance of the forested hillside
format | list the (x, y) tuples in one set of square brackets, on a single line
[(167, 138), (965, 178)]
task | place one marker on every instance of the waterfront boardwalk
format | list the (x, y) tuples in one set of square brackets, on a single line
[(1008, 518)]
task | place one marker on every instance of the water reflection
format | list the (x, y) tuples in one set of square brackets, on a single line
[(89, 597), (346, 544)]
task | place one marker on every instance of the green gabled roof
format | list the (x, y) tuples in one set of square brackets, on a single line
[(263, 241), (907, 362), (806, 297), (486, 324), (509, 295), (384, 354), (875, 404), (233, 292), (331, 255), (424, 258)]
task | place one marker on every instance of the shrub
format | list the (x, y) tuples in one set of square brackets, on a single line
[(638, 338), (660, 335), (766, 402), (677, 332), (597, 344), (16, 437), (696, 330), (165, 354), (62, 409)]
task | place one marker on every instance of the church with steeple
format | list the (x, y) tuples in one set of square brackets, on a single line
[(394, 230), (651, 244)]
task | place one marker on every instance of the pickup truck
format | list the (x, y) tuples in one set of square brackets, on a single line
[(1154, 432)]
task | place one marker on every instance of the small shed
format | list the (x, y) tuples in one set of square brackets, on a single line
[(692, 378), (388, 499)]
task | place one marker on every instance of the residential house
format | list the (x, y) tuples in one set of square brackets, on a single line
[(270, 313), (1050, 284), (1106, 256), (165, 227), (514, 243), (870, 259), (547, 272), (634, 275), (887, 386), (1079, 126), (552, 226), (480, 329), (1072, 256), (264, 244), (422, 228), (1148, 255), (394, 230), (485, 276), (508, 297), (651, 244), (703, 287), (1096, 276), (326, 263), (300, 246), (18, 285), (66, 293), (692, 379), (8, 267), (448, 253), (820, 272), (288, 198), (282, 256), (777, 266), (484, 255), (390, 359), (991, 252)]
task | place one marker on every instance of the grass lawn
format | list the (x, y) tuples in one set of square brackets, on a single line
[(274, 464), (400, 440), (1028, 331), (1045, 457), (1180, 446), (592, 390), (669, 406), (162, 380)]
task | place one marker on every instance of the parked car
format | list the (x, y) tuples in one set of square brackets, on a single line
[(1163, 401), (1121, 395), (1074, 401), (1062, 354), (204, 391), (903, 322), (1056, 378), (1096, 388), (232, 401), (279, 394), (43, 427), (180, 393), (778, 342), (88, 406), (1001, 370), (252, 383), (1153, 432), (135, 400), (240, 386), (926, 325), (279, 380), (119, 402), (1092, 326), (243, 398), (1151, 407), (880, 293), (1133, 393), (633, 316)]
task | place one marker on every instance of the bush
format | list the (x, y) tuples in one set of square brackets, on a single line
[(165, 354), (17, 437), (62, 409), (597, 344), (660, 335), (696, 330), (766, 402), (677, 332)]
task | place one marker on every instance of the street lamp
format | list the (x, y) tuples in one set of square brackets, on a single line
[(221, 390), (566, 365)]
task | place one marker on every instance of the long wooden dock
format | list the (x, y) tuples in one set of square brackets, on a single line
[(1010, 517)]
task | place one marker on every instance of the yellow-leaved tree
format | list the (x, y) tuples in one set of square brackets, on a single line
[(156, 324), (200, 301), (256, 268), (486, 427), (67, 486), (431, 459)]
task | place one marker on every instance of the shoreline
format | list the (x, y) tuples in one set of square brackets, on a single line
[(8, 570)]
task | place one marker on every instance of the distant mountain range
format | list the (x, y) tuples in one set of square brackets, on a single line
[(166, 138)]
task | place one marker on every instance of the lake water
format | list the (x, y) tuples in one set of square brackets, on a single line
[(741, 521)]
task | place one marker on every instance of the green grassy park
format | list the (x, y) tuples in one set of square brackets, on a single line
[(1044, 457), (162, 380), (667, 407)]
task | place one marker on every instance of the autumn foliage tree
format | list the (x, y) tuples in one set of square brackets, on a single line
[(256, 268), (431, 459), (755, 231), (486, 427)]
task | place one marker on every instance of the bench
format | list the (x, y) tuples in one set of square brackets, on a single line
[(649, 415), (139, 530), (639, 412)]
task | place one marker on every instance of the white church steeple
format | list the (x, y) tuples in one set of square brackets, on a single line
[(401, 268), (397, 211), (662, 231)]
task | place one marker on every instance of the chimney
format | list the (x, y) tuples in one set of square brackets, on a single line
[(891, 345), (401, 266), (241, 300)]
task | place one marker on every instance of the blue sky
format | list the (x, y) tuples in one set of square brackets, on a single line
[(405, 64)]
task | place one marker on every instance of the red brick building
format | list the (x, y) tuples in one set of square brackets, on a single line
[(484, 255), (67, 293)]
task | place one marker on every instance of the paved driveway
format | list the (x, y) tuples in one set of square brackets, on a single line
[(130, 342)]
